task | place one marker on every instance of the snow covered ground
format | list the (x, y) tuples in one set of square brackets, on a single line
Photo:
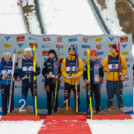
[(33, 22), (69, 17), (132, 1), (23, 127), (109, 16), (11, 19), (96, 126), (111, 126)]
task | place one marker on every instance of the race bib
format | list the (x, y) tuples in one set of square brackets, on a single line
[(7, 72), (27, 68), (70, 69), (113, 66)]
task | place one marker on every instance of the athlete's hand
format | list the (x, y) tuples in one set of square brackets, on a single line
[(13, 79), (87, 82), (107, 70), (122, 77), (3, 78), (48, 76), (56, 77), (75, 77)]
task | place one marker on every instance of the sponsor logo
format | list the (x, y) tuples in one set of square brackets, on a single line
[(45, 53), (61, 87), (111, 38), (126, 59), (73, 45), (31, 38), (99, 46), (85, 46), (72, 39), (126, 79), (32, 44), (85, 39), (7, 45), (18, 59), (7, 37), (46, 46), (18, 79), (124, 39), (18, 86), (61, 80), (59, 46), (109, 45), (59, 39), (128, 65), (20, 44), (43, 80), (84, 60), (124, 53), (126, 85), (100, 53), (84, 87), (20, 52), (45, 59), (100, 60), (85, 53), (20, 38), (98, 39), (124, 45), (46, 39)]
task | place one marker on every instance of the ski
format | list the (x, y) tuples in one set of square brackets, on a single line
[(57, 82), (119, 76), (76, 79), (90, 110), (34, 80), (11, 86)]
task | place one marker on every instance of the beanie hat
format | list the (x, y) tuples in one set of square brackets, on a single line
[(7, 52), (93, 52), (28, 48), (52, 51), (114, 46), (71, 47)]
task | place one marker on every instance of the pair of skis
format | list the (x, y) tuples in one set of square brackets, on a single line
[(57, 82), (90, 110), (76, 88), (34, 80), (11, 86), (119, 77)]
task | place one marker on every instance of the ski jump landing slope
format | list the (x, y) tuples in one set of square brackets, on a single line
[(11, 17), (69, 17)]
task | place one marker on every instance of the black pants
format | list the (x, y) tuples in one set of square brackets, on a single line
[(25, 87), (67, 91), (5, 91), (96, 92), (50, 89)]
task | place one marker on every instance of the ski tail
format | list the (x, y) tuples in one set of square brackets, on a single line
[(90, 110), (77, 109), (11, 86), (56, 84), (34, 80)]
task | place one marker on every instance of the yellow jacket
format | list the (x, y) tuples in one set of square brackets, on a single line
[(113, 76), (71, 81)]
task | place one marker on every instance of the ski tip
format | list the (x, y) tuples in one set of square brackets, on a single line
[(14, 50)]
